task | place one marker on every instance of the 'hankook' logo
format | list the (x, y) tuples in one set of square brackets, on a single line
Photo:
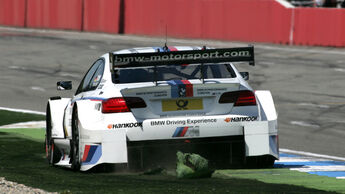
[(182, 104)]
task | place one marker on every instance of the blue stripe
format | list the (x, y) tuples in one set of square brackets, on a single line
[(87, 98), (179, 82), (93, 98), (93, 156), (178, 131), (91, 153), (332, 174), (172, 82), (311, 163), (329, 173), (158, 48), (174, 88)]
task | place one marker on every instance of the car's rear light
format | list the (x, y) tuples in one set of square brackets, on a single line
[(246, 98), (239, 98), (135, 102), (116, 105)]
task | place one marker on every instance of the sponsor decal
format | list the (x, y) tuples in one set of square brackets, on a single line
[(182, 104), (182, 122), (240, 119), (198, 121), (154, 94), (96, 80), (100, 86), (210, 91), (183, 115), (190, 131), (92, 153), (124, 125), (181, 88), (168, 122), (230, 54)]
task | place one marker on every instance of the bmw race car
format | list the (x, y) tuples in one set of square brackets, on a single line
[(136, 108)]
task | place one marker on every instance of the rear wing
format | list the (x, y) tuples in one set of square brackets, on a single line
[(240, 54)]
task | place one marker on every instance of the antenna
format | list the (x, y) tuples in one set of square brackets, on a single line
[(166, 38), (166, 34)]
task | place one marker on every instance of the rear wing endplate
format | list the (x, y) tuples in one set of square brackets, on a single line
[(240, 54)]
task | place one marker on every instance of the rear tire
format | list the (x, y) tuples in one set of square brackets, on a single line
[(75, 153), (53, 154)]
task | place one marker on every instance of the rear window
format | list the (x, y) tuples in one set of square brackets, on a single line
[(165, 73)]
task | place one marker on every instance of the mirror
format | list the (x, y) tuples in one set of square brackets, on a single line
[(245, 75), (64, 85)]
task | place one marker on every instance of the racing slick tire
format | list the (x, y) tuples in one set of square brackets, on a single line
[(53, 155), (75, 153)]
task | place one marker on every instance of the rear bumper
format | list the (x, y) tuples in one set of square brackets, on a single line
[(224, 146), (195, 127), (221, 151)]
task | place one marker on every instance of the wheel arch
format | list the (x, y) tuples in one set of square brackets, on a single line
[(267, 108), (89, 113), (56, 110)]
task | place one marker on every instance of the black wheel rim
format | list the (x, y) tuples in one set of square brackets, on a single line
[(48, 140)]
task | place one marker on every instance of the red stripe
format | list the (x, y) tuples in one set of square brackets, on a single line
[(86, 152), (172, 48), (46, 150), (189, 88), (185, 129)]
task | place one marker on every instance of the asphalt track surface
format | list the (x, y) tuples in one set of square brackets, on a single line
[(307, 83)]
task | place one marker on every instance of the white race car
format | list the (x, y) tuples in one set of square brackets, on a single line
[(136, 108)]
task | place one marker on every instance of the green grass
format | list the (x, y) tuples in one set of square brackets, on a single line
[(22, 159), (9, 117), (33, 134), (286, 176)]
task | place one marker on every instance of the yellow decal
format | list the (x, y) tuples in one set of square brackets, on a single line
[(182, 104)]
